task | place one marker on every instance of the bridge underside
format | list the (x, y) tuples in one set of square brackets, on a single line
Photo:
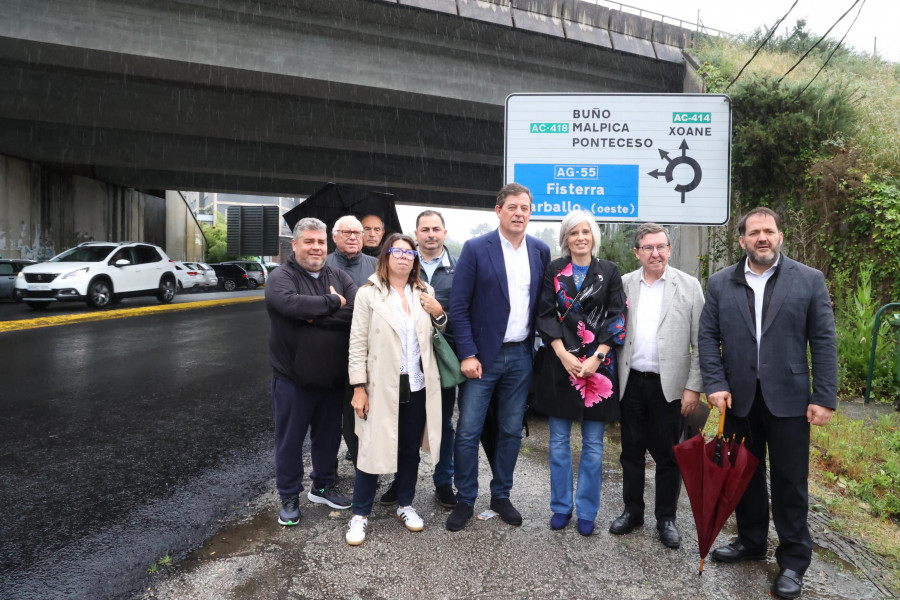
[(278, 98)]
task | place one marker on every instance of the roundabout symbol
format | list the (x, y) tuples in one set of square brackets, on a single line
[(670, 168)]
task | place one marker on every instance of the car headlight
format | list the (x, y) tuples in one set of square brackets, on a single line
[(77, 273), (21, 275)]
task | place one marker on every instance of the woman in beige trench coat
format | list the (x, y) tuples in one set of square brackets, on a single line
[(396, 385)]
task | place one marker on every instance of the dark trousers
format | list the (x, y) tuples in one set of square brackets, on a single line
[(349, 425), (411, 425), (787, 441), (295, 410), (649, 423)]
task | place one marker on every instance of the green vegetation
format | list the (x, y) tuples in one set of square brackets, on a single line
[(822, 150), (162, 562), (216, 240)]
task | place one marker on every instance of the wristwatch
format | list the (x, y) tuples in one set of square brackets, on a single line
[(601, 356)]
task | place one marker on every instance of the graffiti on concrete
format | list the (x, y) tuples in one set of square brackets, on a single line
[(36, 247)]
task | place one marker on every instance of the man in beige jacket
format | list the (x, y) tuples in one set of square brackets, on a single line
[(659, 378)]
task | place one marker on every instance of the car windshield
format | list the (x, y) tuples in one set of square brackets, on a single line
[(84, 254)]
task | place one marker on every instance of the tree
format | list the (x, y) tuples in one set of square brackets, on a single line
[(480, 229), (216, 240)]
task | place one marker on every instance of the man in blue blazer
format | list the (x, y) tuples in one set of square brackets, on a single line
[(492, 307), (761, 316)]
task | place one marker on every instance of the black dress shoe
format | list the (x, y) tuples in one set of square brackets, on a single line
[(507, 512), (626, 523), (668, 534), (390, 496), (459, 516), (736, 552), (788, 584)]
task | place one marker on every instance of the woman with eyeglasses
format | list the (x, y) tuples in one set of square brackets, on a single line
[(396, 385), (581, 317)]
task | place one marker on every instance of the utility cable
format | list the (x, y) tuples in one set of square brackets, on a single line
[(805, 54), (763, 43), (832, 52)]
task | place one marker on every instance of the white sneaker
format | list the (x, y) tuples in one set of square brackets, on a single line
[(356, 530), (410, 518)]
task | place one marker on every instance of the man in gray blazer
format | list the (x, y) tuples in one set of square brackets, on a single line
[(659, 378), (761, 316)]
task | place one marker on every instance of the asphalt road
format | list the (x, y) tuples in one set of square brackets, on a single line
[(126, 440)]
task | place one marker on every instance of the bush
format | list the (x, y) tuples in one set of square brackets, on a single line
[(855, 309)]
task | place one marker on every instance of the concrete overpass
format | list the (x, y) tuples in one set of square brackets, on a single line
[(280, 96)]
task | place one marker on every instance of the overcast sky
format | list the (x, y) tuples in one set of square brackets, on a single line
[(878, 19)]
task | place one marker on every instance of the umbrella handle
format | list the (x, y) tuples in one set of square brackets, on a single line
[(721, 422)]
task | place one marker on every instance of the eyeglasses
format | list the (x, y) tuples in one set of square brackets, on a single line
[(350, 232), (649, 249), (400, 252)]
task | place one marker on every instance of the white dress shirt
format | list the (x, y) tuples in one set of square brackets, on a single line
[(518, 278), (645, 351), (757, 283)]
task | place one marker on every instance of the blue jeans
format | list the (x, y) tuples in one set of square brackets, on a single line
[(443, 471), (509, 376), (590, 468)]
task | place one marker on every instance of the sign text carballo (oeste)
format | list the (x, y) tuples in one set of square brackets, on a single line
[(623, 157)]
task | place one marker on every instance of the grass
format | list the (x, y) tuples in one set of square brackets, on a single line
[(162, 562), (875, 82)]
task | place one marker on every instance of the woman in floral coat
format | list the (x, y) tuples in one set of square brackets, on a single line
[(581, 317)]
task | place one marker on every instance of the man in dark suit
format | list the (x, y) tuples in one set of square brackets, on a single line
[(760, 317), (492, 306)]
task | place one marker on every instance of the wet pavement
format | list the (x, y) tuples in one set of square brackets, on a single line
[(254, 558), (127, 440)]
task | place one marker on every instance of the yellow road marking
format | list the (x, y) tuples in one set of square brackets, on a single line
[(118, 313)]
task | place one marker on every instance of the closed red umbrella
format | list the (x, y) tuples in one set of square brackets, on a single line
[(716, 474)]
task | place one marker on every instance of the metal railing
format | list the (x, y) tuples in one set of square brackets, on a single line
[(641, 12)]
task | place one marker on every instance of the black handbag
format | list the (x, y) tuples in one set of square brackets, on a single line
[(447, 362)]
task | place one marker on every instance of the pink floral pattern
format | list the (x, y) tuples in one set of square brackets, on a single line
[(567, 271), (585, 334), (593, 389)]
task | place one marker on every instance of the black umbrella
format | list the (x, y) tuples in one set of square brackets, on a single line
[(333, 201)]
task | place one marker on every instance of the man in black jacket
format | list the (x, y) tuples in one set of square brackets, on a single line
[(310, 307)]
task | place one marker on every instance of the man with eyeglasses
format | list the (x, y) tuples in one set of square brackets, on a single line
[(348, 236), (348, 257), (373, 233), (659, 378)]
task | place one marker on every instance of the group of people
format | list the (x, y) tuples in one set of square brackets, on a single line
[(352, 338)]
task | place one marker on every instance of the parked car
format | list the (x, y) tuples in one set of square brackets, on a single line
[(231, 276), (210, 275), (99, 273), (9, 269), (271, 267), (256, 272), (190, 277)]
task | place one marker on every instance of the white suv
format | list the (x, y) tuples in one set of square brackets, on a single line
[(99, 273)]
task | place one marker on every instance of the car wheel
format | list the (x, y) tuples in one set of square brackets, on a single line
[(252, 284), (38, 305), (166, 290), (180, 289), (99, 294), (229, 285)]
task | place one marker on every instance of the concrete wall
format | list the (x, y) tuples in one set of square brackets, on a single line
[(184, 238), (43, 212)]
